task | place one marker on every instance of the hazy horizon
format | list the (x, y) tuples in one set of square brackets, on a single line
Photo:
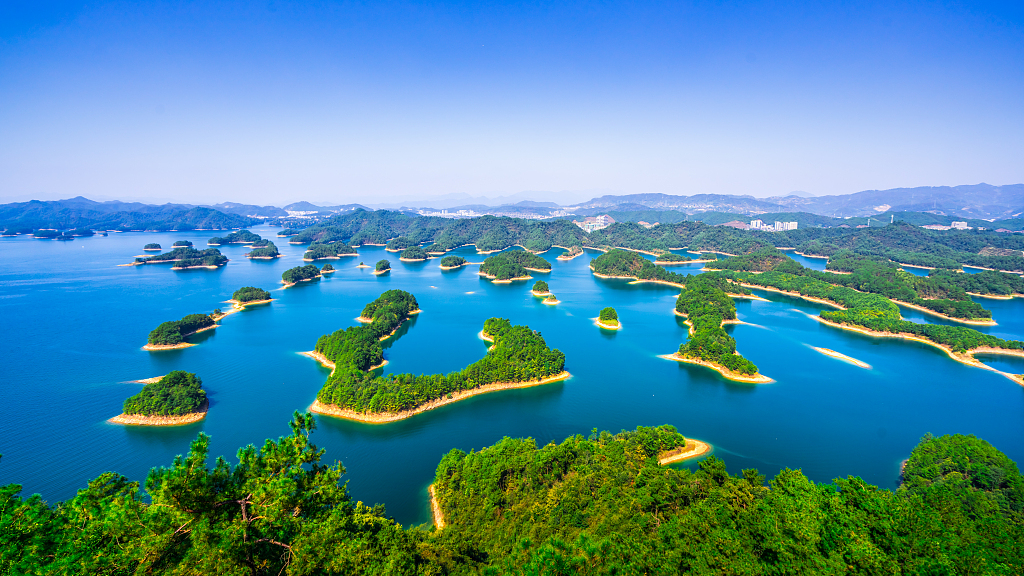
[(349, 103)]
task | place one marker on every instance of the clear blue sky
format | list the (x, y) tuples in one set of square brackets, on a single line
[(324, 101)]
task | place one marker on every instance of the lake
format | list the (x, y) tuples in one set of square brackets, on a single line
[(76, 322)]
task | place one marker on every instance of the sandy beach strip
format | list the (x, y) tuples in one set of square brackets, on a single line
[(328, 364), (550, 302), (152, 380), (385, 417), (598, 323), (725, 372), (692, 449), (413, 259), (160, 347), (931, 312), (996, 296), (141, 420), (435, 508), (540, 294), (840, 356)]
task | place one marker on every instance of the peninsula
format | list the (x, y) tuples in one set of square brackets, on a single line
[(173, 400), (171, 334), (249, 296), (512, 265), (519, 358)]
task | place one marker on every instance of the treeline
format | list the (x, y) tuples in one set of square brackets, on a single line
[(382, 266), (250, 294), (267, 250), (512, 264), (319, 250), (453, 261), (239, 237), (413, 253), (626, 264), (175, 394), (174, 331), (300, 273), (518, 355), (987, 282), (597, 505), (187, 256), (358, 347), (706, 304)]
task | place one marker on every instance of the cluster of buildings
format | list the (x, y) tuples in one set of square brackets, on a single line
[(591, 223), (952, 226), (762, 226)]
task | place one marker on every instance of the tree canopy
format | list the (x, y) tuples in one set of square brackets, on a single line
[(174, 331), (300, 273), (250, 294), (175, 394)]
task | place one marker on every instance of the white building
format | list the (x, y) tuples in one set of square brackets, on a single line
[(959, 226)]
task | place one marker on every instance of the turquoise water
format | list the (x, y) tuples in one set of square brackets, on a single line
[(75, 324)]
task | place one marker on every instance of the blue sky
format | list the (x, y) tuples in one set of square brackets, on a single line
[(334, 101)]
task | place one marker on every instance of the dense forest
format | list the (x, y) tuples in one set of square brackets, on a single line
[(672, 257), (175, 394), (588, 505), (181, 244), (327, 268), (250, 294), (152, 246), (540, 286), (518, 354), (358, 347), (319, 250), (609, 316), (122, 216), (413, 253), (174, 331), (512, 264), (239, 237), (300, 273), (382, 266), (453, 261), (268, 250), (187, 256), (400, 243), (705, 301)]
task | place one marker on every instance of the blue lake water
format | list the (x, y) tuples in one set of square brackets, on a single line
[(76, 322)]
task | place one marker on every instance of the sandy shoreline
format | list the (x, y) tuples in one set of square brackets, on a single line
[(567, 258), (550, 302), (140, 420), (152, 380), (793, 294), (385, 417), (159, 347), (509, 281), (598, 323), (413, 259), (725, 372), (328, 364), (692, 449), (379, 272), (943, 316), (435, 508), (996, 296), (841, 356), (540, 294), (456, 267)]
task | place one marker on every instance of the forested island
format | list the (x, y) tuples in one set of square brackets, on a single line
[(184, 257), (540, 288), (265, 251), (519, 357), (182, 244), (628, 264), (250, 295), (327, 269), (320, 251), (239, 237), (382, 267), (152, 246), (413, 254), (453, 262), (173, 400), (588, 505), (171, 334), (293, 276), (608, 319), (672, 258), (399, 244), (513, 265)]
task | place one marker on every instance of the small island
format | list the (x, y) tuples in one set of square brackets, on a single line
[(608, 319), (382, 267), (519, 358), (173, 400), (182, 244), (570, 253), (293, 276), (249, 296), (540, 288), (362, 265), (840, 356), (619, 263), (453, 262), (401, 243), (185, 257), (551, 300), (323, 251), (513, 265), (152, 247), (327, 269), (671, 259), (239, 237), (171, 334), (265, 250), (413, 254)]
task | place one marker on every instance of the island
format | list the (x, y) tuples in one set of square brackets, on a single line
[(265, 250), (453, 262), (670, 259), (706, 304), (619, 263), (413, 254), (551, 300), (152, 246), (513, 265), (174, 400), (239, 237), (361, 265), (293, 276), (182, 244), (570, 253), (171, 334), (185, 257), (519, 358), (327, 269), (540, 288), (840, 356), (323, 251), (608, 319), (249, 296), (401, 243), (382, 267)]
